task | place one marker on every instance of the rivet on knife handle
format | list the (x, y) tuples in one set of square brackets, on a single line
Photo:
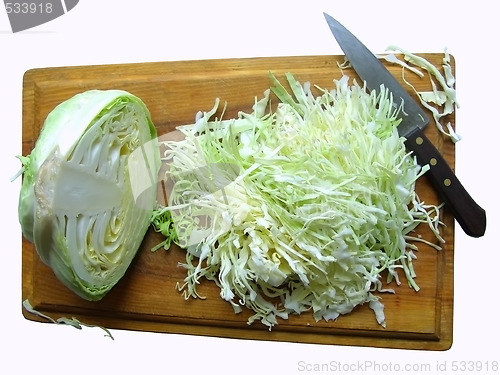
[(470, 216)]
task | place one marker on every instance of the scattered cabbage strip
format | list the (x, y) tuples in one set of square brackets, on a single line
[(319, 201), (76, 202), (66, 321), (441, 101)]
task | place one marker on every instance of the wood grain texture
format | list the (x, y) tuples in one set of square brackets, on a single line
[(146, 299)]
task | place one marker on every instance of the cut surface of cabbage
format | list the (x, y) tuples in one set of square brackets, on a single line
[(77, 203)]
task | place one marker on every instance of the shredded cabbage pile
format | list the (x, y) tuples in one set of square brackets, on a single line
[(300, 208)]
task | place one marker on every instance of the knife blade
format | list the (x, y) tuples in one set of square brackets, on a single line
[(470, 216)]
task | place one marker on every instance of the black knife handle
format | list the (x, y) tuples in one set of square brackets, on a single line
[(470, 216)]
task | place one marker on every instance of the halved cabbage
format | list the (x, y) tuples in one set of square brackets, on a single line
[(77, 203)]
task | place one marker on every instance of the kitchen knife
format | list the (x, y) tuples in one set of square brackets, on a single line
[(470, 216)]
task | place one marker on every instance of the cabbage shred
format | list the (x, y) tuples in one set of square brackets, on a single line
[(442, 100), (315, 201)]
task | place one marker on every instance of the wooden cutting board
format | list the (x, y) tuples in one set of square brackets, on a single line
[(146, 299)]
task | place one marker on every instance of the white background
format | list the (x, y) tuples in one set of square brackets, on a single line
[(113, 31)]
